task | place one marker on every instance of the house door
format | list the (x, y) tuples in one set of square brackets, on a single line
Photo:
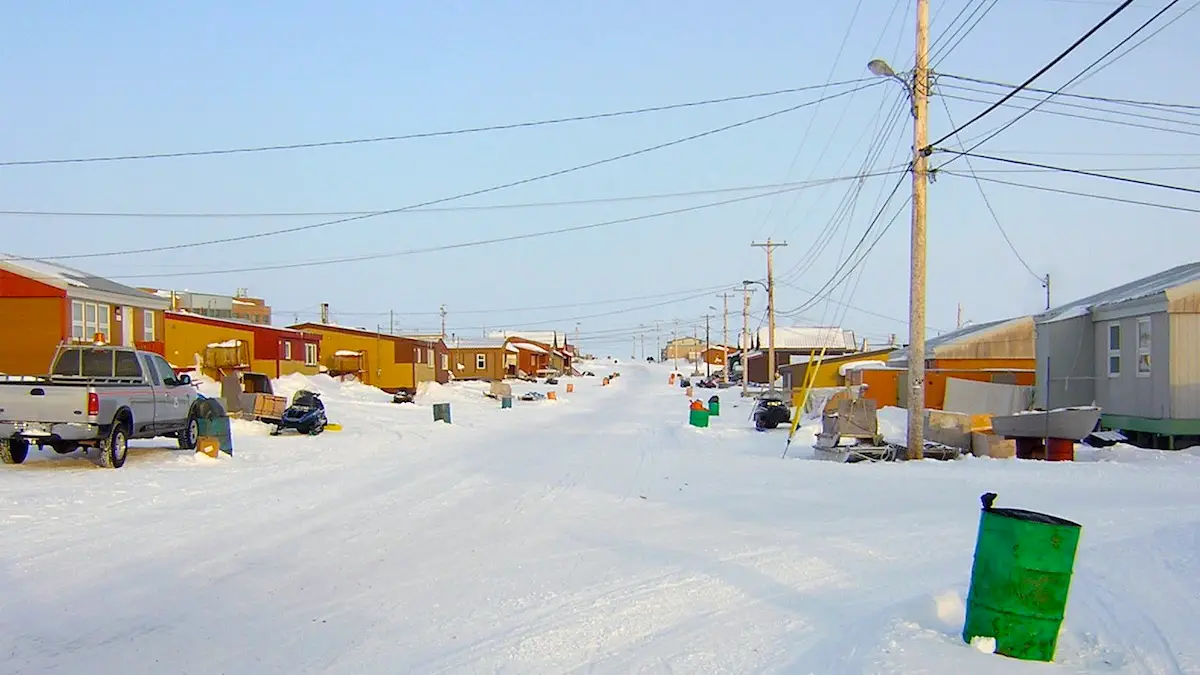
[(127, 326)]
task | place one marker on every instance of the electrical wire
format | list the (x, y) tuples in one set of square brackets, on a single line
[(942, 53), (1092, 195), (1033, 77), (1140, 42), (430, 134), (1183, 108), (463, 195), (448, 247), (1081, 172), (480, 207), (988, 203), (1068, 83), (1060, 113)]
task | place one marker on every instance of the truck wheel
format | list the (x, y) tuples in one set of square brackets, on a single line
[(14, 451), (189, 435), (115, 448)]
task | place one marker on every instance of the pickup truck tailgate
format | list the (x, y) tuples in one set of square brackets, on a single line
[(43, 402)]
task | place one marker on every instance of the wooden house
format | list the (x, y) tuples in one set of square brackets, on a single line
[(390, 362), (45, 304), (1134, 350), (795, 344), (833, 371), (482, 359), (533, 358), (222, 346)]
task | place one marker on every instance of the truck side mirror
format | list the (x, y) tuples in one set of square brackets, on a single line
[(184, 379)]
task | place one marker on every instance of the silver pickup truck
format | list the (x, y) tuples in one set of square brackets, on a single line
[(96, 396)]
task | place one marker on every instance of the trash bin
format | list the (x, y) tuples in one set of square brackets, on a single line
[(505, 402), (441, 412), (1020, 580), (698, 417), (212, 425), (714, 405)]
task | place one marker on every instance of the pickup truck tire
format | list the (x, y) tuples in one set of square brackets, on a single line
[(115, 448), (14, 451), (189, 435)]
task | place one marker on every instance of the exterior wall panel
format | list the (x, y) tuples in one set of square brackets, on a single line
[(1184, 365), (1066, 360)]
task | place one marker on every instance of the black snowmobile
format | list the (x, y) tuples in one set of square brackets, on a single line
[(306, 415)]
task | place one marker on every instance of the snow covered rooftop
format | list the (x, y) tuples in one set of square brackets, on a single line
[(1134, 290), (477, 343), (546, 337), (529, 348), (70, 278), (808, 337)]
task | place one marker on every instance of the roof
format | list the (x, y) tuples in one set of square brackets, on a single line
[(963, 334), (479, 343), (310, 326), (873, 354), (529, 347), (809, 337), (546, 337), (80, 284), (1134, 290), (184, 315)]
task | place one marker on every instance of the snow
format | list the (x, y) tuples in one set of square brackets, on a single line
[(860, 365), (227, 344), (347, 352), (529, 348), (1134, 290), (596, 533), (46, 271)]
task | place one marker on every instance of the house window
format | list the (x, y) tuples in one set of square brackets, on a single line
[(445, 362), (481, 362), (89, 318), (147, 325), (1143, 347), (1114, 350), (287, 350), (429, 357), (310, 354)]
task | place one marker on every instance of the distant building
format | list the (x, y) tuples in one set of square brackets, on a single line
[(240, 306)]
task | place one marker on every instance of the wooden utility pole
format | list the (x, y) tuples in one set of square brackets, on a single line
[(324, 312), (958, 321), (771, 246), (745, 338), (916, 294), (1047, 285), (725, 341), (392, 323), (707, 346), (442, 311)]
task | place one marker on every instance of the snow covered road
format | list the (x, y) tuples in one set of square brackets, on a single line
[(597, 533)]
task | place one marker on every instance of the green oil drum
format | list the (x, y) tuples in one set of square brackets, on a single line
[(506, 402), (1020, 580), (714, 406), (441, 412), (698, 418)]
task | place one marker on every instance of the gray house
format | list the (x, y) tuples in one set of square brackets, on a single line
[(1133, 350)]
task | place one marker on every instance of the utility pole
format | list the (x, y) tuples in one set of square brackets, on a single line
[(745, 338), (442, 311), (1047, 285), (675, 343), (771, 246), (916, 293), (958, 322), (392, 323), (324, 312), (725, 340), (657, 343), (642, 328), (707, 346)]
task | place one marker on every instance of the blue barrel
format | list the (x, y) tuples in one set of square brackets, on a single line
[(505, 402), (441, 412)]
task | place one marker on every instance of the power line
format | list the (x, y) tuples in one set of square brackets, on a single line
[(1141, 42), (463, 195), (1078, 116), (1110, 198), (428, 134), (941, 53), (1033, 77), (1087, 97), (444, 209), (1081, 172), (448, 247), (1073, 79), (987, 202)]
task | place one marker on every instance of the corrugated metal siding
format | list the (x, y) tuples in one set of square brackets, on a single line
[(1129, 394), (1065, 362), (1184, 349), (1010, 340)]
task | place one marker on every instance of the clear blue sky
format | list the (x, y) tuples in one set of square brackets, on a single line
[(134, 77)]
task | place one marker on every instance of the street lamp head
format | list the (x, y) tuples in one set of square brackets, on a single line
[(880, 68)]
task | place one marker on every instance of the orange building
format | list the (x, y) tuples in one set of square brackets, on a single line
[(45, 304)]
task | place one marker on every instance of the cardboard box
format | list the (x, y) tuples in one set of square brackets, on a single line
[(990, 445)]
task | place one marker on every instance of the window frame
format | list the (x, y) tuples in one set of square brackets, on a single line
[(1113, 353), (100, 322), (310, 354), (287, 350), (1144, 351), (148, 326), (481, 361)]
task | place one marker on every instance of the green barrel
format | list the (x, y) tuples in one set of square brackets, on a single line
[(698, 418), (1020, 580), (714, 406), (505, 401), (441, 412)]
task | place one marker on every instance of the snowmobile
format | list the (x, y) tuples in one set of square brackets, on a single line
[(306, 415)]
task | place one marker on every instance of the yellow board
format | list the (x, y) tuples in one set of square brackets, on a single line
[(333, 427)]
